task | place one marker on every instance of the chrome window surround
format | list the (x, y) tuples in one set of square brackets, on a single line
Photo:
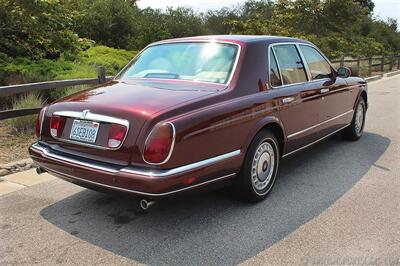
[(319, 124), (170, 150), (47, 153), (189, 41), (308, 73), (87, 115)]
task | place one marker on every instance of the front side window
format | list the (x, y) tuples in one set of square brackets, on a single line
[(274, 75), (317, 64), (205, 62), (290, 64)]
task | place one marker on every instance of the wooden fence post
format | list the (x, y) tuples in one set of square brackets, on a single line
[(342, 61), (358, 66), (391, 63), (369, 66), (102, 74), (383, 63), (398, 61)]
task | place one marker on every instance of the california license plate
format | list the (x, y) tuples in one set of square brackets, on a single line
[(85, 131)]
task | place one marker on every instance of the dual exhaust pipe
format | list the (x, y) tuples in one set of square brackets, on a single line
[(144, 205)]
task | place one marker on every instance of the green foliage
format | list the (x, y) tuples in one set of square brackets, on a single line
[(36, 29), (57, 39), (112, 59), (107, 22), (85, 65), (338, 27), (27, 123)]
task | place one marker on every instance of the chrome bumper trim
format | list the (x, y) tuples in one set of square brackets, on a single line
[(46, 152), (62, 175)]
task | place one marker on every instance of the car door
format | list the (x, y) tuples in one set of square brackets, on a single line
[(336, 101), (299, 101)]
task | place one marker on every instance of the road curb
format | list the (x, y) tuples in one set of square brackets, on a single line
[(394, 73), (15, 167)]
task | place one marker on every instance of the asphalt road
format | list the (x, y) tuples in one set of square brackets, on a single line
[(337, 199)]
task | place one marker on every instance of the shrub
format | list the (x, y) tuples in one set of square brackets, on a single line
[(112, 59), (24, 124)]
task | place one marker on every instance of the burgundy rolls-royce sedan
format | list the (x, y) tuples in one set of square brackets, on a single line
[(200, 111)]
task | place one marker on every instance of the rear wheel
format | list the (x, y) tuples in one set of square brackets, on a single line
[(355, 130), (260, 167)]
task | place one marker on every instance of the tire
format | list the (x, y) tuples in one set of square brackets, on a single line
[(356, 128), (258, 173)]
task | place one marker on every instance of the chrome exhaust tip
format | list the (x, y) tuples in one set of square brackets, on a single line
[(145, 205)]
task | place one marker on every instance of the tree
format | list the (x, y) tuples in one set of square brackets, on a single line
[(109, 22), (36, 29)]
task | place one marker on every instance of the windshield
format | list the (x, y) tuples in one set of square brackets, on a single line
[(206, 62)]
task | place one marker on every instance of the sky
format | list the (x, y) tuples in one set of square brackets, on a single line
[(383, 8)]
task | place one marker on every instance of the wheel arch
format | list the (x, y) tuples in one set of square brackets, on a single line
[(364, 95), (268, 123)]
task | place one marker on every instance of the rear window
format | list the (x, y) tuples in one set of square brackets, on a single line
[(205, 62)]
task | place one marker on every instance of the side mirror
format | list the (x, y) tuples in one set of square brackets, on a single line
[(344, 72)]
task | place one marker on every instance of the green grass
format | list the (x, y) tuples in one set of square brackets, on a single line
[(84, 65), (24, 124)]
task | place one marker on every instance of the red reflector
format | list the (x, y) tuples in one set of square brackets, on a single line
[(57, 125), (189, 180), (116, 135), (159, 144)]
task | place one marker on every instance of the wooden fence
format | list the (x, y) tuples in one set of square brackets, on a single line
[(23, 88), (362, 66), (368, 66)]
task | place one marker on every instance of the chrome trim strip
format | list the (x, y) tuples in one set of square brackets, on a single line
[(170, 150), (48, 154), (135, 191), (234, 66), (184, 168), (130, 170), (87, 115), (314, 142), (319, 124)]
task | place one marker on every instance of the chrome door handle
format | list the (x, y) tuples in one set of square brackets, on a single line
[(324, 90), (287, 100)]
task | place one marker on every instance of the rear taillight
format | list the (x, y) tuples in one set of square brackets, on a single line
[(57, 125), (39, 122), (116, 135), (159, 144)]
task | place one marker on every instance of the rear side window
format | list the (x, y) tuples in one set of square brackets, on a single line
[(290, 64), (274, 75), (317, 64)]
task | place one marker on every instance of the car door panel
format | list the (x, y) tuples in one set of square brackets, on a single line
[(299, 100)]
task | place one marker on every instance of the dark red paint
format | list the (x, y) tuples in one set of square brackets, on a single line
[(210, 119)]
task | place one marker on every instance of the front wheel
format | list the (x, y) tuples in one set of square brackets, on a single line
[(355, 130), (260, 167)]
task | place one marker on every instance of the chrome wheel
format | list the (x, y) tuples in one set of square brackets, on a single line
[(359, 119), (262, 168)]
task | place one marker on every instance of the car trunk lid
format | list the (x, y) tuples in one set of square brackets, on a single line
[(130, 101)]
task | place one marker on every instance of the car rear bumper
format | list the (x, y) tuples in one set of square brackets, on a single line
[(144, 182)]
